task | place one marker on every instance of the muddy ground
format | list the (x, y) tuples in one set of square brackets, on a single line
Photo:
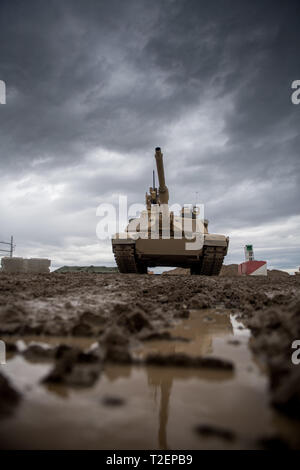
[(119, 312)]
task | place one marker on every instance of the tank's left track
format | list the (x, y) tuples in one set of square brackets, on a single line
[(126, 260)]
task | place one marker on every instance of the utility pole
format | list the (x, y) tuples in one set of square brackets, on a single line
[(11, 247)]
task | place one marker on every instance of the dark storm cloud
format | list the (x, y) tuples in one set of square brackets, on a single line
[(124, 76), (58, 57)]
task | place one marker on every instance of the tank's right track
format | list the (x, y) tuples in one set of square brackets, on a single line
[(210, 263)]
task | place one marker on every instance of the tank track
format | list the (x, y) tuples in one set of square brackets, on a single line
[(126, 260), (211, 261)]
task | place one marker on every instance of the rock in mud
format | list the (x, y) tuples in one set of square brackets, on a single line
[(274, 330), (199, 301), (93, 319), (37, 353), (119, 308), (286, 395), (56, 327), (9, 397), (135, 321), (74, 367), (82, 329), (12, 319), (11, 347), (116, 346)]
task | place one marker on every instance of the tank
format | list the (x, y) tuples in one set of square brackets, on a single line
[(160, 238)]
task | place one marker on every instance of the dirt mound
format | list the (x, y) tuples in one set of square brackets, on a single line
[(86, 269), (276, 273), (229, 270), (177, 271), (274, 328)]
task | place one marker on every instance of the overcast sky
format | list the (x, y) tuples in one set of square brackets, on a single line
[(93, 86)]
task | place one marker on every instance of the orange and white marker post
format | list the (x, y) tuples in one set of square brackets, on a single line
[(251, 267)]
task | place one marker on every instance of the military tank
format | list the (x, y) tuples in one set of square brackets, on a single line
[(160, 238)]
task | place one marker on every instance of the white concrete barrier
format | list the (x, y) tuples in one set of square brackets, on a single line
[(12, 265), (23, 265), (38, 265)]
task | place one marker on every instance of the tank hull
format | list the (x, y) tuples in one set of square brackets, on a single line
[(135, 256)]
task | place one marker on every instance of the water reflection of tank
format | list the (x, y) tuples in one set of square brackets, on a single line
[(195, 334), (200, 330)]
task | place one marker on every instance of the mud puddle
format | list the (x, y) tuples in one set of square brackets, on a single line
[(142, 407)]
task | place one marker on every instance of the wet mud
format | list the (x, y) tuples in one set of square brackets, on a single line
[(187, 361)]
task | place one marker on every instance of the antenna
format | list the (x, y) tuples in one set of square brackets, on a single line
[(153, 179)]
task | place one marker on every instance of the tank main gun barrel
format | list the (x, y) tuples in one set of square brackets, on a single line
[(163, 190)]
